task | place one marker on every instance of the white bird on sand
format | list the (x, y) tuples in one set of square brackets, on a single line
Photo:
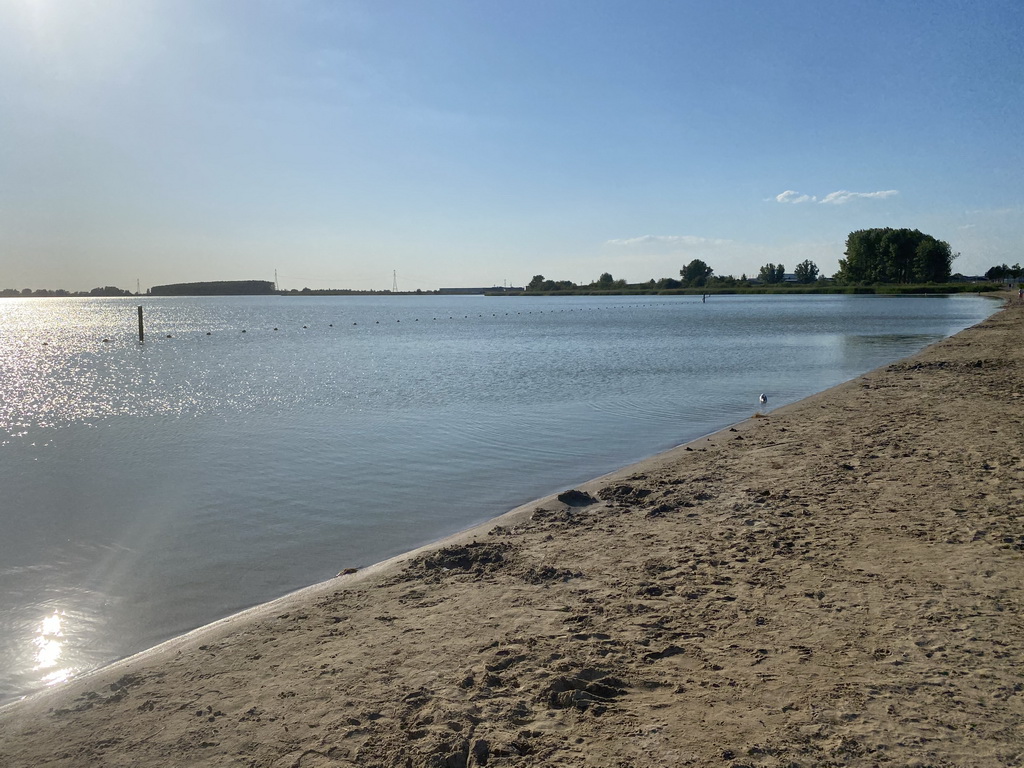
[(763, 399)]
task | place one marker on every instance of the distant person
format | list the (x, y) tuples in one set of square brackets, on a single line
[(1020, 294)]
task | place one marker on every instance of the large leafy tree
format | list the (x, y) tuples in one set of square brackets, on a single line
[(537, 284), (889, 255), (933, 260), (695, 274), (772, 273), (806, 271)]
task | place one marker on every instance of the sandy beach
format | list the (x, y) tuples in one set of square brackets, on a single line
[(838, 582)]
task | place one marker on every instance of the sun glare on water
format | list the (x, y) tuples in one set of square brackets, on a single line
[(49, 644)]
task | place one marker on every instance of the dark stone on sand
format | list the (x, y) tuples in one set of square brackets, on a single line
[(576, 498)]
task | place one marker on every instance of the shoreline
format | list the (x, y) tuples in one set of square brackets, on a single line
[(697, 610), (380, 568)]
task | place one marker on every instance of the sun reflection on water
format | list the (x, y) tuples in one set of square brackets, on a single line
[(49, 644)]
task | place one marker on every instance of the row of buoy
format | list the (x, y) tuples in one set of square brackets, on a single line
[(450, 317)]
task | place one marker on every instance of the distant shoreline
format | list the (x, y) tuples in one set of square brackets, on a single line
[(880, 290)]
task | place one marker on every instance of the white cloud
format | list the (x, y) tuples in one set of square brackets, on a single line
[(792, 196), (834, 198), (844, 196)]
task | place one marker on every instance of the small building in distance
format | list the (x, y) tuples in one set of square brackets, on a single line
[(216, 288)]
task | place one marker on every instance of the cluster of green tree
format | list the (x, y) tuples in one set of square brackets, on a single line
[(889, 255), (608, 283), (541, 284), (711, 282), (805, 273), (1003, 272), (696, 274), (772, 273), (107, 290)]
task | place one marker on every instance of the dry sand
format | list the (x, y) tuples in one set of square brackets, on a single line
[(839, 583)]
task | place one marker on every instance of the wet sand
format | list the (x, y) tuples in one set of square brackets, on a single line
[(835, 583)]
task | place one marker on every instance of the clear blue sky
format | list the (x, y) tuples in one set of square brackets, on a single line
[(468, 143)]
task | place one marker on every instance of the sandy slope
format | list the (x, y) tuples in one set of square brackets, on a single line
[(839, 583)]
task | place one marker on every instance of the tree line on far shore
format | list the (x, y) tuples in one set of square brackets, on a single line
[(696, 274), (881, 256), (107, 290)]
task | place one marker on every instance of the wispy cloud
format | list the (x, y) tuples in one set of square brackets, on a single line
[(670, 240), (792, 196), (839, 197), (843, 196), (1015, 210)]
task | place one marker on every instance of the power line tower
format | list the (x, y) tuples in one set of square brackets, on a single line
[(394, 281)]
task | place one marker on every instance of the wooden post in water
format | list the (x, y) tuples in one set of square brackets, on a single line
[(141, 335)]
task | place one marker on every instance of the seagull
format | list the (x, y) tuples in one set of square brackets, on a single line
[(763, 399)]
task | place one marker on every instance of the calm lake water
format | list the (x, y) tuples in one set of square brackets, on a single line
[(252, 446)]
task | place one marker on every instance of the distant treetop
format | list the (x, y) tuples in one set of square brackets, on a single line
[(695, 274), (1003, 272)]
